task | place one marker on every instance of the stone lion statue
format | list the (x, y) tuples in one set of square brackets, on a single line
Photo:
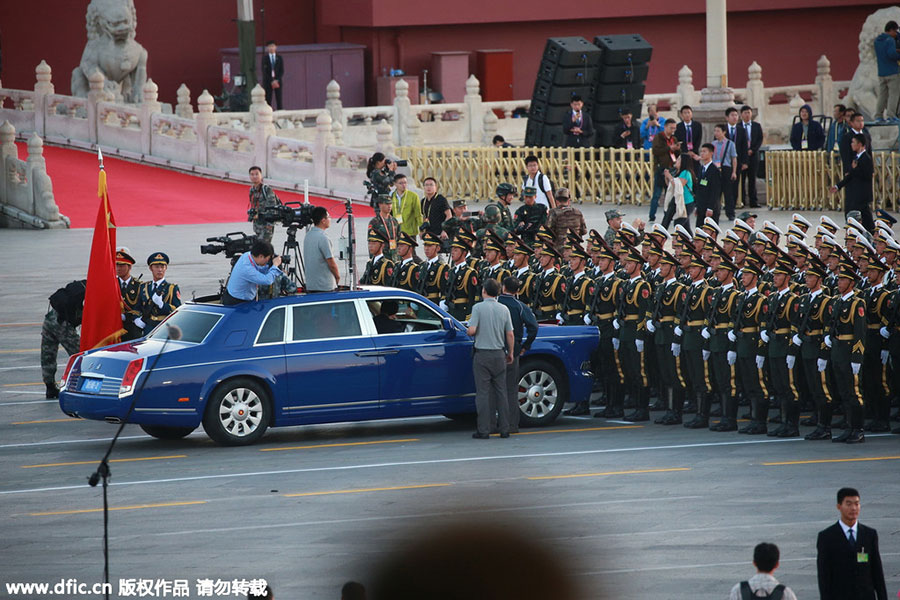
[(112, 50), (864, 86)]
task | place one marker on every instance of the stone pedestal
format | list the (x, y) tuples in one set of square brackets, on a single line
[(711, 110)]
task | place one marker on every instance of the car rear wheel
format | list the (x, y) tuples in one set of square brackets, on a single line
[(237, 413), (542, 393), (167, 433)]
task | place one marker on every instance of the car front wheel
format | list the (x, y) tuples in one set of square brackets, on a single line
[(237, 413), (542, 392)]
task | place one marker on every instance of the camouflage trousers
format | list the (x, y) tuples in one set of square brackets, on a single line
[(264, 231), (54, 333)]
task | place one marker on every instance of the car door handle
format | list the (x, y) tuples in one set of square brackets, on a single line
[(386, 352)]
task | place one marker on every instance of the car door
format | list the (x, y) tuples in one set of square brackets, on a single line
[(425, 369), (332, 365)]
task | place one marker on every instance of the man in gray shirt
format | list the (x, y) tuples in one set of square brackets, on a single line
[(491, 326), (322, 273)]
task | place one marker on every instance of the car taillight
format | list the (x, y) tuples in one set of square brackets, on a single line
[(134, 369), (73, 365)]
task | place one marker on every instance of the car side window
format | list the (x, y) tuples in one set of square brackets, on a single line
[(272, 329), (325, 320), (410, 316)]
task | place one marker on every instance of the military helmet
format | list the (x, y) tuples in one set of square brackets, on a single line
[(491, 214), (505, 189)]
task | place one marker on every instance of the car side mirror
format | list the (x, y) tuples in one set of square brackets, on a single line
[(449, 327)]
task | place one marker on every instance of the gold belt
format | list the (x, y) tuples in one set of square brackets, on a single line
[(632, 317), (577, 311), (873, 326), (814, 332), (666, 319), (750, 330), (846, 337), (460, 300), (695, 323), (606, 315), (782, 331), (724, 325)]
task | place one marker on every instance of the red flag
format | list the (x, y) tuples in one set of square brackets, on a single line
[(102, 321)]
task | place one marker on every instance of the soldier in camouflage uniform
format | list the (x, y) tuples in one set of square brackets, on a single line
[(564, 217), (379, 269), (506, 193), (490, 223), (614, 222), (406, 274), (59, 327), (462, 284), (261, 197), (158, 298), (460, 221), (130, 288), (433, 273)]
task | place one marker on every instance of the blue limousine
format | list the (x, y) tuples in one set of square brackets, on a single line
[(309, 358)]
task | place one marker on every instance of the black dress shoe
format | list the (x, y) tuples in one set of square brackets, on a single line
[(789, 431), (578, 410), (821, 433), (725, 425), (504, 435), (842, 438), (52, 391), (878, 427), (775, 432), (810, 421), (660, 420), (716, 412), (480, 436), (612, 413), (698, 423), (776, 420), (856, 437), (755, 429), (671, 419), (638, 416), (658, 405)]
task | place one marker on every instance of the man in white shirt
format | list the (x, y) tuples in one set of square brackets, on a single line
[(540, 182), (763, 584)]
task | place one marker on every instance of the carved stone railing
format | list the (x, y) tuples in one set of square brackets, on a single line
[(26, 192)]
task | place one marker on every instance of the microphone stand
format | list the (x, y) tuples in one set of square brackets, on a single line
[(103, 472)]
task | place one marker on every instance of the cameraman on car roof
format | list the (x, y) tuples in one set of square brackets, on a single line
[(251, 271)]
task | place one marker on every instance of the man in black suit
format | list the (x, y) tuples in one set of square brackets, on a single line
[(272, 72), (578, 128), (857, 125), (749, 138), (708, 190), (689, 132), (628, 134), (848, 560), (858, 182)]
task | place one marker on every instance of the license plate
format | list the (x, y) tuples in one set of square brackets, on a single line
[(91, 385)]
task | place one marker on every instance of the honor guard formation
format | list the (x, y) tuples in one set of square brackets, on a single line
[(700, 324)]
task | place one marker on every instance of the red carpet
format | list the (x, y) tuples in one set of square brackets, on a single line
[(147, 195)]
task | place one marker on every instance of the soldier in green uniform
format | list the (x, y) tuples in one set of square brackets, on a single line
[(462, 285), (668, 302), (509, 244), (719, 322), (472, 260), (386, 225), (492, 266), (523, 272), (781, 317), (688, 341), (550, 287), (130, 288), (433, 273), (506, 193), (60, 327), (631, 316), (576, 306), (158, 298), (605, 361), (845, 344), (613, 222), (261, 198), (806, 343), (460, 221), (529, 217), (406, 273), (379, 269), (745, 343), (490, 223), (877, 354)]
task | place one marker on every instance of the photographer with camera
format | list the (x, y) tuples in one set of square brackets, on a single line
[(250, 271), (380, 171), (261, 198)]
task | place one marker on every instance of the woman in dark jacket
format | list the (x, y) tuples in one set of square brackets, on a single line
[(807, 134)]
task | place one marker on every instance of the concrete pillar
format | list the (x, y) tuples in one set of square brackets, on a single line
[(324, 139), (825, 83), (8, 151), (474, 109), (149, 106), (261, 131), (183, 107), (684, 93), (203, 120), (401, 112), (716, 44), (43, 87), (257, 99), (35, 165)]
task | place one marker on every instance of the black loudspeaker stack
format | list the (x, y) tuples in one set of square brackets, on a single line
[(609, 75)]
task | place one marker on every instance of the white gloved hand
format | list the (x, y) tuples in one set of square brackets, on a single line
[(760, 361), (157, 300), (559, 319), (678, 331), (731, 337), (885, 356), (791, 361), (705, 333), (140, 322), (764, 336), (706, 354), (885, 333), (615, 343), (651, 327), (616, 325), (639, 344), (587, 319), (821, 364), (676, 349), (731, 356), (828, 341), (855, 368), (796, 340), (443, 305), (123, 316)]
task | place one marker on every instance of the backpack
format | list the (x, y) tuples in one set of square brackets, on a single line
[(747, 594), (68, 302), (540, 185)]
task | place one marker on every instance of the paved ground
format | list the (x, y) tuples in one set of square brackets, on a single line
[(638, 511)]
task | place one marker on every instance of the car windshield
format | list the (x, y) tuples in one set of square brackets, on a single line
[(194, 326)]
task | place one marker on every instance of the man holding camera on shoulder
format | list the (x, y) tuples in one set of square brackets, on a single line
[(261, 198), (251, 271)]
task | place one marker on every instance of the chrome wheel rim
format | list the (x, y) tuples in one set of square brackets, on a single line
[(241, 412), (538, 394)]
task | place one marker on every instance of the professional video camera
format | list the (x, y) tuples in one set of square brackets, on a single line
[(232, 244), (289, 214)]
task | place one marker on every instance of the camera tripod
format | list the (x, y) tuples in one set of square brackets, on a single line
[(292, 258)]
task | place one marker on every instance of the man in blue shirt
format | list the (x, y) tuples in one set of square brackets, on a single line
[(251, 271), (886, 56), (650, 126), (523, 320)]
